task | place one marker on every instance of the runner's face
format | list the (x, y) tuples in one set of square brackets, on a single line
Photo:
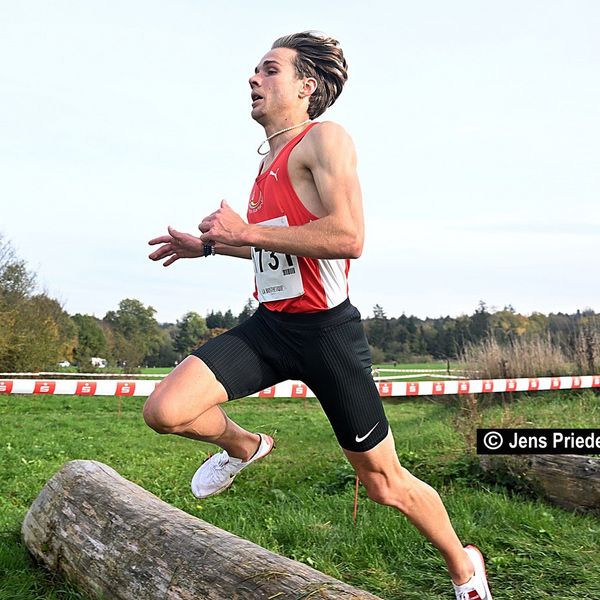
[(275, 87)]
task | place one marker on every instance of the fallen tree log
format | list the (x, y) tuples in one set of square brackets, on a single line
[(569, 480), (113, 539)]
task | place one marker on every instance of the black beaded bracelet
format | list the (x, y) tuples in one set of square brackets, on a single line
[(209, 250)]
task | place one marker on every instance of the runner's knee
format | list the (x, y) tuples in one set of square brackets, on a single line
[(163, 414), (157, 415)]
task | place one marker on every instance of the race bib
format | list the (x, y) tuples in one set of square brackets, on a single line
[(277, 275)]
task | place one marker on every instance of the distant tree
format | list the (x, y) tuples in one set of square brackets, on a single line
[(377, 355), (214, 319), (248, 310), (481, 323), (508, 324), (189, 332), (165, 355), (16, 281), (65, 340), (136, 333), (377, 328), (229, 320), (91, 339), (35, 331), (220, 320)]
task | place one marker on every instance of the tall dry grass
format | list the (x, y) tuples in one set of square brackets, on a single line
[(529, 357), (586, 352)]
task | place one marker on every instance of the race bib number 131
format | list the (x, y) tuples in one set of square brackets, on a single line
[(277, 275)]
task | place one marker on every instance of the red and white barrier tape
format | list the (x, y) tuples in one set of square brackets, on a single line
[(72, 387), (294, 389), (487, 386)]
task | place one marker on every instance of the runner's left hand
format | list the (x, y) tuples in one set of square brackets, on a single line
[(225, 226)]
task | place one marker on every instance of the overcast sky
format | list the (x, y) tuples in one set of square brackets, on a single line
[(477, 126)]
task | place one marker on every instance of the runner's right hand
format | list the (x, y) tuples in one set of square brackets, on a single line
[(176, 245)]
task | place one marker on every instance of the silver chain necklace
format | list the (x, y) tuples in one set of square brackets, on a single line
[(279, 133)]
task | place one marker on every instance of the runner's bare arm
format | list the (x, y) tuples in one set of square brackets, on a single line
[(177, 244), (237, 251), (331, 159)]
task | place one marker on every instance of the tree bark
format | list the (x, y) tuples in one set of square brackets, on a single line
[(569, 480), (115, 540)]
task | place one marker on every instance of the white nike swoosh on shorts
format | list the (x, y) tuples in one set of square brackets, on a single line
[(364, 437)]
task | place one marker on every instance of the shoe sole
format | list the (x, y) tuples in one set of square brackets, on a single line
[(485, 583), (230, 482)]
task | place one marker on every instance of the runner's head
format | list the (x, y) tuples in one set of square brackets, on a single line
[(321, 58), (303, 74)]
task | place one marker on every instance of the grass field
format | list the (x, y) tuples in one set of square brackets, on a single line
[(298, 501)]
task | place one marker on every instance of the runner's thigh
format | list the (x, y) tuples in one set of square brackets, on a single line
[(242, 359), (338, 371)]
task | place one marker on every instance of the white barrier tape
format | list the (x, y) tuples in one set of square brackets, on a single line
[(289, 389), (294, 389), (72, 387), (486, 386)]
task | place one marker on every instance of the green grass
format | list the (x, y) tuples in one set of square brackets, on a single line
[(298, 502)]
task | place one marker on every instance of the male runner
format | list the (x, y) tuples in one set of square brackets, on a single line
[(304, 224)]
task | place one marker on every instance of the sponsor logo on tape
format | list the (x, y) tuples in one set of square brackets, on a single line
[(85, 388), (267, 392), (385, 388), (298, 390), (6, 387), (488, 386), (125, 388), (44, 387), (412, 388), (464, 387)]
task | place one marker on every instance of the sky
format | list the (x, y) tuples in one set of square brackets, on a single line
[(477, 128)]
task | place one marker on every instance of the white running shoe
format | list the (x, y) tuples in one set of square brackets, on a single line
[(477, 587), (217, 472)]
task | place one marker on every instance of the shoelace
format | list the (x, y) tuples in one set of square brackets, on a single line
[(219, 462), (222, 460)]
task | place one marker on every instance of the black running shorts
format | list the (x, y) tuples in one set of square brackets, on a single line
[(327, 350)]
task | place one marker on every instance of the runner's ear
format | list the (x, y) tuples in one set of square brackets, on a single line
[(308, 88)]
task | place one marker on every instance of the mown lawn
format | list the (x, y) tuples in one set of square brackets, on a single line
[(298, 501)]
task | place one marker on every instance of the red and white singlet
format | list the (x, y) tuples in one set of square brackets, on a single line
[(287, 283)]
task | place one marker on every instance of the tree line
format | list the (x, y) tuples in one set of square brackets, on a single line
[(405, 338), (36, 333)]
